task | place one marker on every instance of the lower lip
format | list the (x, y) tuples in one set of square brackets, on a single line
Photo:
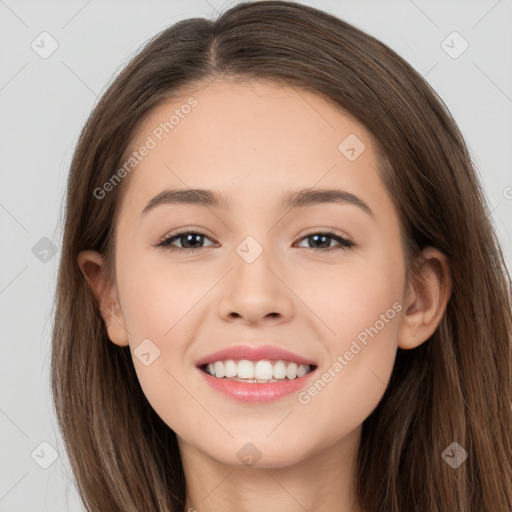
[(254, 392)]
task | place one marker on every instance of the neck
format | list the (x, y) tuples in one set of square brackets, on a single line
[(320, 482)]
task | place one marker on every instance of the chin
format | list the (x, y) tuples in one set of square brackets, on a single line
[(258, 454)]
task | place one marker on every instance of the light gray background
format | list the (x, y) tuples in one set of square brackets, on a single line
[(45, 102)]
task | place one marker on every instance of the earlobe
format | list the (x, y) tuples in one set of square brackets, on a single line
[(116, 328), (427, 296), (91, 264)]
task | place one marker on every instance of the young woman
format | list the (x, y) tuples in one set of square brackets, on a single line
[(280, 288)]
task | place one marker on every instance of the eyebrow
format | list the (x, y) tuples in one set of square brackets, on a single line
[(292, 199)]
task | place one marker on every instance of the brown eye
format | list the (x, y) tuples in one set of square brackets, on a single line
[(323, 240), (189, 240)]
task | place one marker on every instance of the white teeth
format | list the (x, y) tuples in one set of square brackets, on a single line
[(260, 371), (245, 369), (230, 368), (279, 370), (219, 369), (263, 370), (301, 371), (291, 371)]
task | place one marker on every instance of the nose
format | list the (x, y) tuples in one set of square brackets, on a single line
[(255, 293)]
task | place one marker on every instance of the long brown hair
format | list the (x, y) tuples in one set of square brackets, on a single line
[(455, 387)]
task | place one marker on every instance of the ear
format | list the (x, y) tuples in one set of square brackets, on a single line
[(427, 294), (92, 266)]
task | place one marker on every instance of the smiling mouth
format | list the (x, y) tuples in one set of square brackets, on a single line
[(257, 372)]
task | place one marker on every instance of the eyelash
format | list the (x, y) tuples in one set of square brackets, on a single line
[(344, 243)]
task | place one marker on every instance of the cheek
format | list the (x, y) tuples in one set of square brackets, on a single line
[(362, 306), (349, 387), (351, 293), (158, 297), (158, 304)]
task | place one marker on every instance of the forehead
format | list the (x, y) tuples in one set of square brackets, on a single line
[(251, 140)]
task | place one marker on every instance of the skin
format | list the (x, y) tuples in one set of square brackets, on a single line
[(252, 142)]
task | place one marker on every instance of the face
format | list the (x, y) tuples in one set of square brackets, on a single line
[(323, 279)]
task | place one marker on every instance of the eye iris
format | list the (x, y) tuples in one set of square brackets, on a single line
[(316, 237), (188, 238)]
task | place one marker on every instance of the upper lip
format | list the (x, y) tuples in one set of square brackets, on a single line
[(252, 353)]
